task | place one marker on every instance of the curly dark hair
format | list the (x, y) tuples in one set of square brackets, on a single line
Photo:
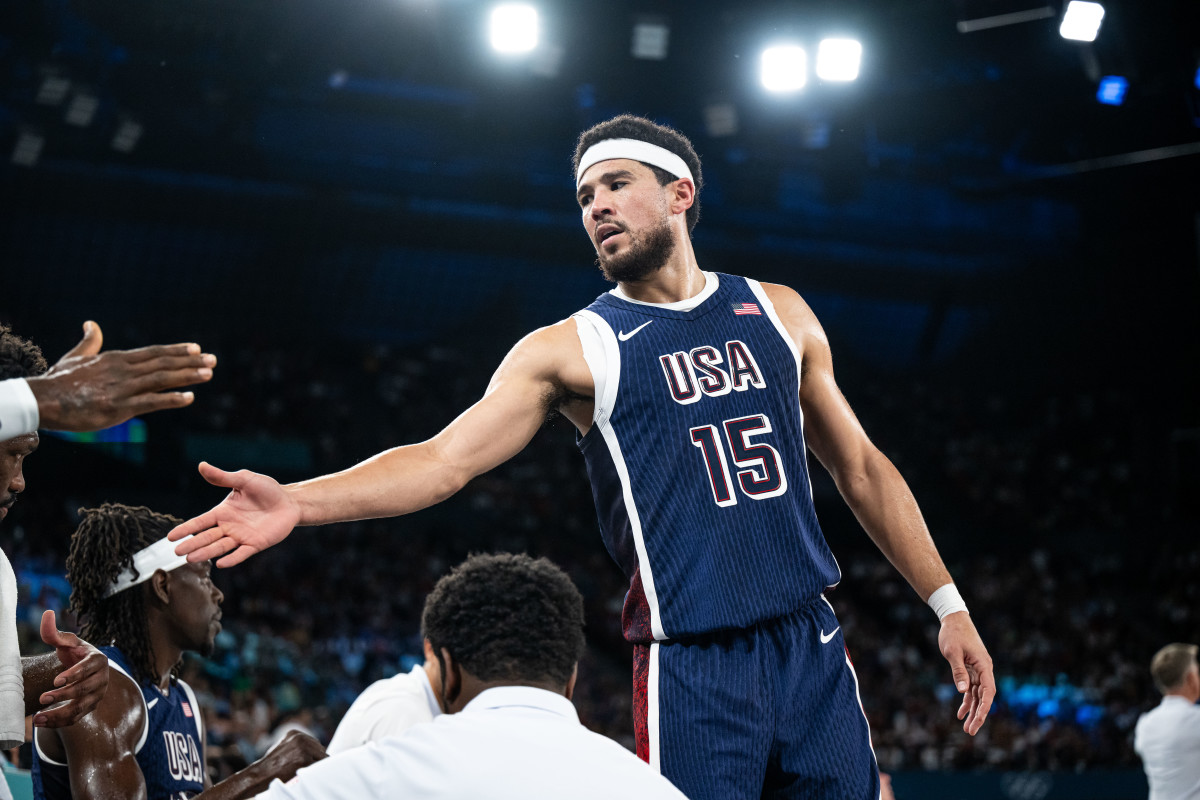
[(101, 548), (19, 358), (507, 617), (627, 126)]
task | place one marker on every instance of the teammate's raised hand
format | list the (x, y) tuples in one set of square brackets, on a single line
[(80, 687), (971, 666), (88, 390), (256, 514)]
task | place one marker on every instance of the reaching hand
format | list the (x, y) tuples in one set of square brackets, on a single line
[(255, 515), (88, 390), (971, 666), (297, 749), (82, 682)]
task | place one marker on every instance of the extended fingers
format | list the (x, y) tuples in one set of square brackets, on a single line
[(983, 704), (150, 352), (204, 532), (237, 556)]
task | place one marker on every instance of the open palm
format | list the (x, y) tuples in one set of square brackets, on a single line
[(256, 514)]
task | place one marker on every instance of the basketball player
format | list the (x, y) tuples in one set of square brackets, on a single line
[(146, 737), (695, 395)]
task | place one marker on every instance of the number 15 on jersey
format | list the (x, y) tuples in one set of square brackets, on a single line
[(759, 470)]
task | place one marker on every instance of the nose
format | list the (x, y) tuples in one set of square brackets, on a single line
[(601, 204), (218, 595), (17, 483)]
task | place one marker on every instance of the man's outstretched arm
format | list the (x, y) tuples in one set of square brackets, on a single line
[(89, 390), (259, 512), (882, 502)]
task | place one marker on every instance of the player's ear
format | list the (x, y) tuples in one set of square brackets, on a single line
[(682, 195), (570, 692), (451, 679), (160, 586)]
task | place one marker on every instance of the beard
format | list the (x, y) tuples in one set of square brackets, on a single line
[(645, 254)]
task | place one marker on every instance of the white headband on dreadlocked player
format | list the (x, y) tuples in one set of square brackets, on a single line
[(638, 151), (147, 561)]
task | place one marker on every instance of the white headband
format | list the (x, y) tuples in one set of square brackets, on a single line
[(147, 561), (636, 150)]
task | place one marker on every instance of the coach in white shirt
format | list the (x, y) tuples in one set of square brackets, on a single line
[(507, 632), (390, 706), (1168, 737)]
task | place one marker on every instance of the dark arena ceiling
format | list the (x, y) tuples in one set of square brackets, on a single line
[(341, 139)]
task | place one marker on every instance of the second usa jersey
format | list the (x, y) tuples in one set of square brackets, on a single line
[(697, 461)]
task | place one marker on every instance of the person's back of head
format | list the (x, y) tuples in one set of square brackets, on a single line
[(507, 619), (102, 548), (1174, 667), (19, 358)]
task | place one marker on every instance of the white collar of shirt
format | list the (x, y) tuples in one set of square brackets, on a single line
[(525, 697), (1175, 699), (430, 697), (710, 286)]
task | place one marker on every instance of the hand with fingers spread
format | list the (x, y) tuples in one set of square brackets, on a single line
[(80, 687), (971, 667), (256, 514), (89, 390)]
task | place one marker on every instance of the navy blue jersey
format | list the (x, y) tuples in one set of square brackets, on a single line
[(697, 461), (170, 752)]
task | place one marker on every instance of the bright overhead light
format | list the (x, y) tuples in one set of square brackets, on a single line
[(838, 59), (1081, 21), (514, 28), (784, 68), (650, 40)]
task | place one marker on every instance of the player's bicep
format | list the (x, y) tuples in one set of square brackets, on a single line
[(102, 760), (521, 393)]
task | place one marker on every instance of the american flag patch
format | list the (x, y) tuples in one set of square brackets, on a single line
[(746, 308), (187, 709)]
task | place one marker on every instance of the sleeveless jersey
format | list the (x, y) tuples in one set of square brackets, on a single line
[(697, 462), (170, 752)]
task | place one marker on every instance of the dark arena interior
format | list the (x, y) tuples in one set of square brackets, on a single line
[(360, 206)]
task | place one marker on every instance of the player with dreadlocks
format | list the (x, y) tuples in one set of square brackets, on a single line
[(147, 606)]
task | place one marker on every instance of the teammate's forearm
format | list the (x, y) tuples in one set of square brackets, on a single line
[(887, 510), (395, 482)]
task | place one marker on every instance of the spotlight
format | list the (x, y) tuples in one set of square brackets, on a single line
[(514, 28), (127, 136), (1081, 21), (720, 119), (28, 149), (82, 109), (838, 59), (1112, 90), (784, 68), (53, 90), (1196, 80), (650, 39)]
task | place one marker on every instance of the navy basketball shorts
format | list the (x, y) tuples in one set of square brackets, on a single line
[(768, 711)]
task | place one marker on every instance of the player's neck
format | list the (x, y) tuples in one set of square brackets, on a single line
[(678, 279), (166, 656)]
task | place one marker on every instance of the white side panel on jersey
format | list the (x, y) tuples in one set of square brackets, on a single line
[(857, 693), (769, 307), (652, 709), (605, 364)]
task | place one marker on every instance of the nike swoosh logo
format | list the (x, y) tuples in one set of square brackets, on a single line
[(825, 638), (624, 337)]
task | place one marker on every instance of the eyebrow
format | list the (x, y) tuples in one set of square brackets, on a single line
[(605, 178)]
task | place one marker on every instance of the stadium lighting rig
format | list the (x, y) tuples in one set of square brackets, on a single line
[(513, 28), (1081, 21)]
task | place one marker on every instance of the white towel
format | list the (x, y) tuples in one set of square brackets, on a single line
[(12, 683)]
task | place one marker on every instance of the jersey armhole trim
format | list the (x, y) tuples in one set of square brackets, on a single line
[(145, 708), (603, 357)]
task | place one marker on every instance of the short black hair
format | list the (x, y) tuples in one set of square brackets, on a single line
[(19, 358), (627, 126), (507, 617)]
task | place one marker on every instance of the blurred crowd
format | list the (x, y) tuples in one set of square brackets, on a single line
[(1050, 510)]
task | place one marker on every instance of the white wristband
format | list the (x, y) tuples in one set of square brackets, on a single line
[(18, 409), (946, 600)]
